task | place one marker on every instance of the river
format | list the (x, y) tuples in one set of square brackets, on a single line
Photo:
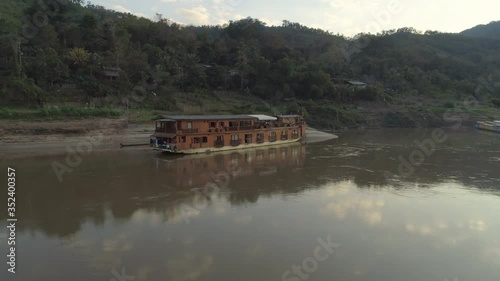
[(373, 205)]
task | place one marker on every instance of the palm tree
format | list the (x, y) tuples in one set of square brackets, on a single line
[(79, 56)]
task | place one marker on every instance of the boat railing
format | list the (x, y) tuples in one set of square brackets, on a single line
[(167, 131), (172, 147), (219, 143), (235, 142), (216, 130), (188, 131), (244, 128), (247, 127)]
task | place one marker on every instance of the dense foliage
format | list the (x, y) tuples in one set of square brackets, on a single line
[(46, 47), (490, 30)]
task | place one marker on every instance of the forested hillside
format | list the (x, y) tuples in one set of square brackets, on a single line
[(79, 55), (490, 30)]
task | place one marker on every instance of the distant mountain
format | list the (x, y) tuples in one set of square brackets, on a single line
[(490, 30)]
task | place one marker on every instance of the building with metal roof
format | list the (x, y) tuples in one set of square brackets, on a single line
[(205, 117), (290, 116), (355, 83)]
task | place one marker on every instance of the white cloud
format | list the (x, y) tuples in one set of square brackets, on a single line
[(180, 1), (189, 267), (224, 11), (120, 8), (348, 5), (195, 15), (347, 17), (272, 22)]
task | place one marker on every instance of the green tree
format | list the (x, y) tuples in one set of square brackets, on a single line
[(79, 57), (49, 66)]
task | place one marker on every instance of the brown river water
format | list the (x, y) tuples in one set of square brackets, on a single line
[(370, 205)]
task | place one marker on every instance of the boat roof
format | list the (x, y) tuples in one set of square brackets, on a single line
[(203, 117), (262, 117)]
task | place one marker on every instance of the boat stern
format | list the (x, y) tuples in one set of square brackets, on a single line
[(163, 144)]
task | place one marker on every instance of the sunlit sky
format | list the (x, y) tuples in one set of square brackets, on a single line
[(347, 17)]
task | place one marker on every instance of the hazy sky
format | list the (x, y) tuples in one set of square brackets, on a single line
[(347, 17)]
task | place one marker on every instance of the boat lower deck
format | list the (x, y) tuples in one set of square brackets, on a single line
[(172, 149)]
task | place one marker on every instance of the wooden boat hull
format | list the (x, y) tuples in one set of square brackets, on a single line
[(225, 148)]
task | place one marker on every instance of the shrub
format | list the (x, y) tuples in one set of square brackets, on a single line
[(449, 105), (77, 112), (398, 120)]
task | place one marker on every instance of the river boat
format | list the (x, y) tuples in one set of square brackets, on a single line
[(492, 126), (191, 134)]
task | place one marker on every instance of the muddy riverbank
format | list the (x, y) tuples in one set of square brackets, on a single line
[(25, 139)]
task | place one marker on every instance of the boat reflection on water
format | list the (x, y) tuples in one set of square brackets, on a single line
[(197, 170), (136, 182), (489, 133)]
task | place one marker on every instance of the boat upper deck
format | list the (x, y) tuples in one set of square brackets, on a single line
[(196, 124)]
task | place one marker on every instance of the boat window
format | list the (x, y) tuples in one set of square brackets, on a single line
[(248, 157), (260, 155), (248, 138), (221, 124), (234, 137), (235, 159), (284, 150), (245, 124), (189, 125), (204, 139), (272, 154), (213, 124)]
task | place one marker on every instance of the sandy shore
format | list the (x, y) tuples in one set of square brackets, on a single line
[(21, 139)]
